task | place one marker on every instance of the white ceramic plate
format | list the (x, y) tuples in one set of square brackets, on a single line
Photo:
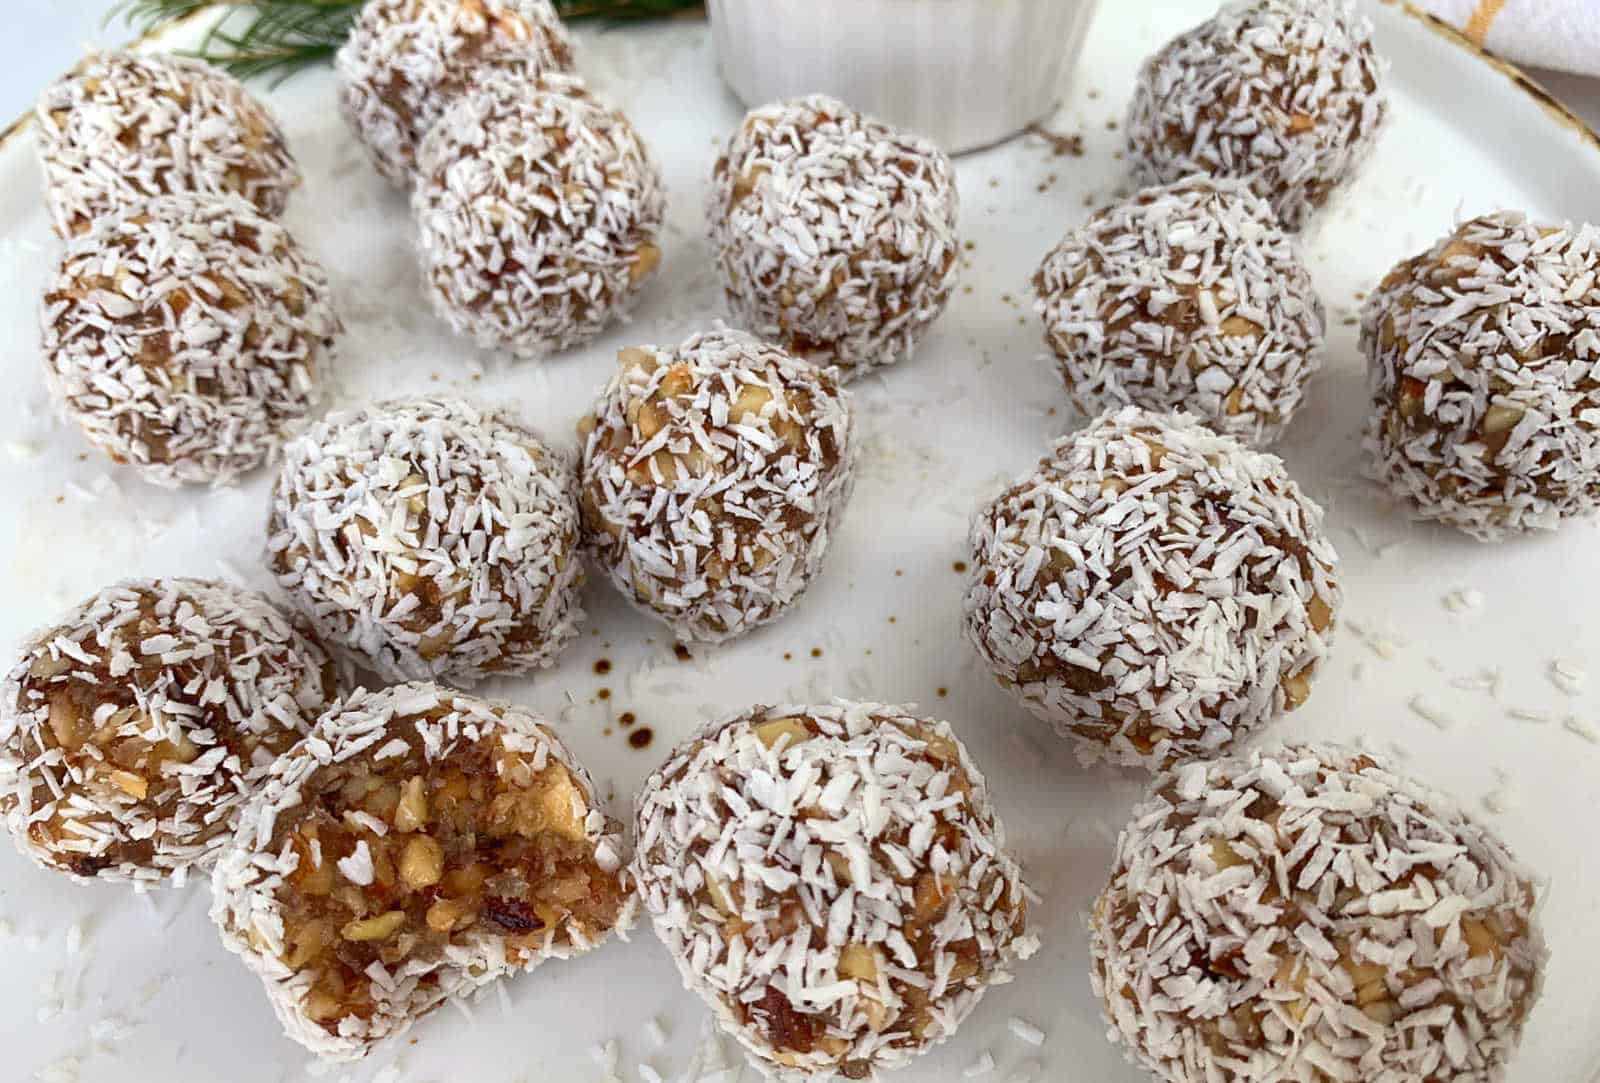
[(151, 996)]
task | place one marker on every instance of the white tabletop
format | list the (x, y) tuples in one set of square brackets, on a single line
[(48, 35)]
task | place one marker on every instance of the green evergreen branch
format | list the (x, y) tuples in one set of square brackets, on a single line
[(279, 37)]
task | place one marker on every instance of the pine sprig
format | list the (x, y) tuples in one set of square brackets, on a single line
[(279, 37)]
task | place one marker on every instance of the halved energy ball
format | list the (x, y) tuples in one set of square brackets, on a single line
[(713, 477), (1285, 95), (132, 731), (123, 127), (430, 538), (404, 61), (1306, 913), (421, 844), (537, 209), (833, 881), (1152, 590), (184, 335), (1186, 296), (835, 234), (1483, 359)]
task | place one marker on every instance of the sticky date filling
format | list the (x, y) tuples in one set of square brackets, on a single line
[(475, 844)]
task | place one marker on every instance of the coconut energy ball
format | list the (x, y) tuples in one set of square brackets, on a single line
[(1186, 296), (185, 335), (835, 234), (422, 844), (712, 480), (1483, 359), (537, 211), (123, 127), (1285, 95), (1308, 914), (833, 882), (405, 60), (132, 731), (430, 538), (1152, 590)]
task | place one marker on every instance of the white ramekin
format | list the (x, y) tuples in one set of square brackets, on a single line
[(967, 73)]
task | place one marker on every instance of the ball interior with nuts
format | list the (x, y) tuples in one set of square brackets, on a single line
[(1285, 95), (835, 233), (404, 61), (428, 843), (1481, 361), (1308, 913), (1186, 296), (123, 127), (833, 881), (537, 209), (186, 335), (1152, 590), (131, 731), (713, 478), (430, 538)]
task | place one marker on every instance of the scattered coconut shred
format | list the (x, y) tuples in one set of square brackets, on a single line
[(1188, 296), (844, 941), (132, 731), (186, 336), (430, 538), (1304, 913), (1063, 600), (122, 127), (1481, 357)]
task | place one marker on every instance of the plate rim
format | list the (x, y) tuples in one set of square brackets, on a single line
[(1520, 79)]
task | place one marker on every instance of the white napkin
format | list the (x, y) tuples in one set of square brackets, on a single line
[(1562, 34)]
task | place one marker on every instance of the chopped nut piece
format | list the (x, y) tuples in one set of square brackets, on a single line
[(379, 928), (421, 863), (772, 730), (411, 813)]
